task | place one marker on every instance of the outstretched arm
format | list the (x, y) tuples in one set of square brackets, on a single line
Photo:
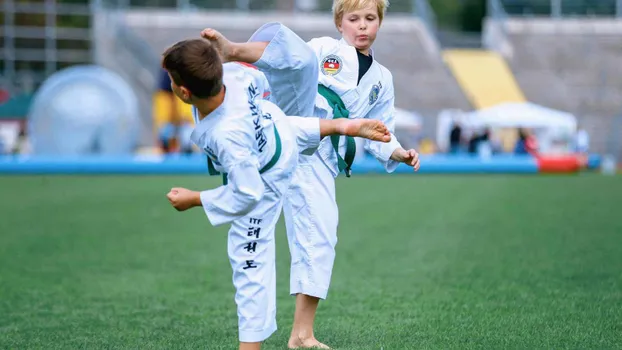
[(244, 189), (391, 154)]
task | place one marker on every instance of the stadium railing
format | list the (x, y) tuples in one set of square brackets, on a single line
[(563, 8)]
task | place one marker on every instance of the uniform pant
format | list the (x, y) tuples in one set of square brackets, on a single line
[(252, 256), (311, 213), (311, 218)]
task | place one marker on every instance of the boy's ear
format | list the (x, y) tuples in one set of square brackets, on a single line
[(185, 93)]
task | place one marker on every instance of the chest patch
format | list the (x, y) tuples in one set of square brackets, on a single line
[(373, 94), (331, 65)]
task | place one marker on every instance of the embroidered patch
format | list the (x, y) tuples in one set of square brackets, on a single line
[(373, 94), (331, 65)]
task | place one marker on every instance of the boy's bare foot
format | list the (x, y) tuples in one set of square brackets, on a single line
[(226, 48), (367, 128), (309, 343)]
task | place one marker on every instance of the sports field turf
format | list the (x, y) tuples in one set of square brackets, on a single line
[(423, 262)]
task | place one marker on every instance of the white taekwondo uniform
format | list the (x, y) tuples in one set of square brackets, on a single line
[(311, 212)]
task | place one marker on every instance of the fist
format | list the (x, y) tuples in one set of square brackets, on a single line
[(183, 199)]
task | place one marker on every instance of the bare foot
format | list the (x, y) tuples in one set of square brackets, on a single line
[(309, 343), (225, 47), (367, 128)]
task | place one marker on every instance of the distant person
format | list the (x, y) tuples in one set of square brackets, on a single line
[(526, 143), (455, 139), (582, 141), (478, 140)]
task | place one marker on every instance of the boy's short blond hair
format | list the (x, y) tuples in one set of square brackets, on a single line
[(342, 6)]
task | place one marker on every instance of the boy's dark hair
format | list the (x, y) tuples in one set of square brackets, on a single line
[(195, 64)]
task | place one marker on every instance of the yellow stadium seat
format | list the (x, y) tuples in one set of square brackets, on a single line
[(484, 76)]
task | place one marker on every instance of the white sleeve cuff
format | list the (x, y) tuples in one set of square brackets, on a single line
[(383, 151)]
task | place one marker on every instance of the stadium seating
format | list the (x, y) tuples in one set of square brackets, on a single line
[(484, 76), (571, 65), (404, 45)]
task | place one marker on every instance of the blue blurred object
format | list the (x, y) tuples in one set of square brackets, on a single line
[(457, 164), (104, 165), (84, 110), (196, 164), (593, 161)]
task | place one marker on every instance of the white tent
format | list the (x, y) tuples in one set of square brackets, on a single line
[(523, 115), (549, 125)]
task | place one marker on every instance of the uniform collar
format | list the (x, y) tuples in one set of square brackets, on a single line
[(210, 120)]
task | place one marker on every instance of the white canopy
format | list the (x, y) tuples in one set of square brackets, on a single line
[(526, 115), (548, 124)]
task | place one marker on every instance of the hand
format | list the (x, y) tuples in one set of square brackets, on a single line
[(410, 157), (183, 199)]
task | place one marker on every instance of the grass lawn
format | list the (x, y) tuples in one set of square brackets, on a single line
[(423, 262)]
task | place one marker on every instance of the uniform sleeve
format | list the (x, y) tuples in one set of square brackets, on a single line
[(262, 84), (244, 189), (384, 111)]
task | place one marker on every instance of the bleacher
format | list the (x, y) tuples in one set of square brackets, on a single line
[(404, 45), (572, 64), (484, 76)]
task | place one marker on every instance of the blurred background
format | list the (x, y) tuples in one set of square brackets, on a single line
[(492, 260), (474, 79)]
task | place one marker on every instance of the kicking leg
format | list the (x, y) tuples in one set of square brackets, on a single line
[(310, 131), (289, 64), (366, 128), (249, 52)]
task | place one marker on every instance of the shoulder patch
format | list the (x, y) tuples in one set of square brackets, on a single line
[(211, 155), (331, 65)]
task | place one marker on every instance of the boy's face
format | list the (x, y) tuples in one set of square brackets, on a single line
[(180, 91), (359, 28)]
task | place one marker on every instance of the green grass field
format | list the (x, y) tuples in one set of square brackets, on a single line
[(423, 262)]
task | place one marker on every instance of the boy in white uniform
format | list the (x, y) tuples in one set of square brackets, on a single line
[(352, 85), (250, 140)]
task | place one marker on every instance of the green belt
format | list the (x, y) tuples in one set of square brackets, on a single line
[(339, 111), (271, 163)]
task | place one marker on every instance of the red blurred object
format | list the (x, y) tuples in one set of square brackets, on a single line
[(559, 164)]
